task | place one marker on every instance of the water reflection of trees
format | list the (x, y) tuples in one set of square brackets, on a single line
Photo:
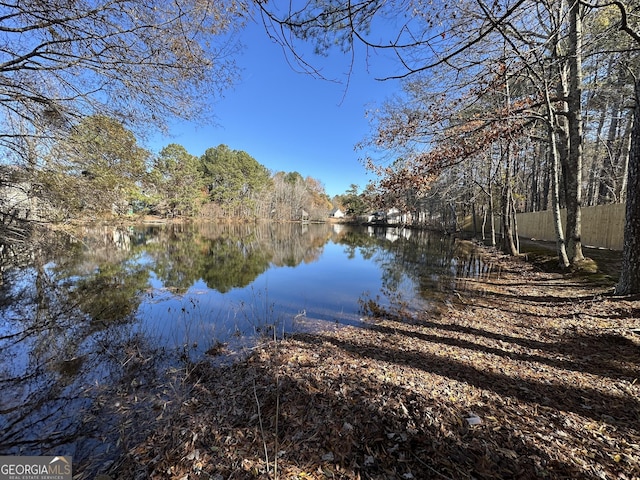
[(422, 259), (102, 272), (68, 305), (112, 292), (176, 255), (366, 242), (230, 255), (69, 302), (286, 244), (426, 257), (47, 365), (66, 309)]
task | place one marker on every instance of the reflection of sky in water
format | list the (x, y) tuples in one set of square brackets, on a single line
[(96, 315), (325, 290)]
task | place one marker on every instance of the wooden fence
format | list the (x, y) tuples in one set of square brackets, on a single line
[(602, 225)]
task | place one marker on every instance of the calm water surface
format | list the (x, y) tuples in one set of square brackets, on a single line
[(89, 322)]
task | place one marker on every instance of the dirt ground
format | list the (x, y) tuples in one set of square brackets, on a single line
[(523, 374)]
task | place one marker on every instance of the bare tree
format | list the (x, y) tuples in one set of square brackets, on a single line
[(139, 62)]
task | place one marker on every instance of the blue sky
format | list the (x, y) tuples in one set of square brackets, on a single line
[(291, 121)]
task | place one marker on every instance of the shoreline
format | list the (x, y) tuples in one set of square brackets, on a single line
[(523, 374)]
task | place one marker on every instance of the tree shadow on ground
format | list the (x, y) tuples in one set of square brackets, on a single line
[(556, 331), (346, 423), (575, 352), (621, 411)]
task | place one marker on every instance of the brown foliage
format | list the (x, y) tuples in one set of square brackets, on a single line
[(454, 130)]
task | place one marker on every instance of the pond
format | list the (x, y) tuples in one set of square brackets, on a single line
[(92, 322)]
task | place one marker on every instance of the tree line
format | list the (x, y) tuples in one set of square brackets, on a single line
[(99, 171)]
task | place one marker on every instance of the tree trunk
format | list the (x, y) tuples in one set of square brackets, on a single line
[(492, 220), (597, 165), (563, 259), (608, 181), (508, 244), (574, 113), (544, 201), (507, 191), (515, 223), (492, 223), (624, 167), (534, 197), (475, 220), (629, 282), (484, 223)]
